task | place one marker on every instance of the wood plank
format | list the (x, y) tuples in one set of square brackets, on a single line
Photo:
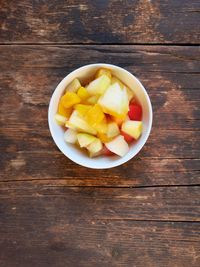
[(56, 241), (153, 204), (103, 21), (96, 227), (51, 167), (28, 76)]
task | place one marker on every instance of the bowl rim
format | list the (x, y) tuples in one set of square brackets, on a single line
[(123, 159)]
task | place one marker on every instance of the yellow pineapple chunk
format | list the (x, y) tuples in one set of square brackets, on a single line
[(66, 112), (69, 99), (82, 93), (82, 109), (104, 138), (94, 115), (102, 127)]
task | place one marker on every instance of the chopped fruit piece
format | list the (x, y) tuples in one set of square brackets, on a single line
[(85, 139), (95, 147), (107, 152), (127, 137), (118, 121), (118, 146), (130, 93), (61, 120), (101, 72), (82, 109), (132, 128), (73, 86), (116, 80), (80, 124), (69, 99), (115, 101), (104, 138), (70, 126), (94, 115), (113, 130), (70, 136), (61, 109), (93, 99), (83, 93), (99, 85), (125, 101), (102, 126), (93, 155), (135, 112), (66, 112)]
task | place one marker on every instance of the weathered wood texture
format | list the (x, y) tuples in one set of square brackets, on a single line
[(143, 213), (28, 77), (100, 21), (62, 226), (81, 203)]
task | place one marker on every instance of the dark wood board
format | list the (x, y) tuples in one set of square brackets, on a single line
[(96, 243), (62, 226), (80, 203), (100, 21), (145, 213)]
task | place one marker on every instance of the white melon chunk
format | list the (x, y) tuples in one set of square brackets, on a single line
[(115, 101), (73, 86), (95, 147), (99, 85), (118, 146), (92, 99), (130, 92), (85, 139), (70, 136), (61, 120)]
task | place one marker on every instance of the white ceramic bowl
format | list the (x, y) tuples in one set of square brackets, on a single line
[(75, 154)]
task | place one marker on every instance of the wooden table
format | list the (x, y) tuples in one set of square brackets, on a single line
[(144, 213)]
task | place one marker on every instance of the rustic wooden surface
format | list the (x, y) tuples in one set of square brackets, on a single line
[(100, 21), (143, 213)]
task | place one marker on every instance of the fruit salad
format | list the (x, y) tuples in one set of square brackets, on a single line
[(102, 117)]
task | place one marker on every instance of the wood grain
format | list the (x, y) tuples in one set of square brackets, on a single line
[(143, 213), (118, 21), (30, 74), (56, 213), (59, 242), (53, 167), (136, 244), (56, 225), (81, 203)]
